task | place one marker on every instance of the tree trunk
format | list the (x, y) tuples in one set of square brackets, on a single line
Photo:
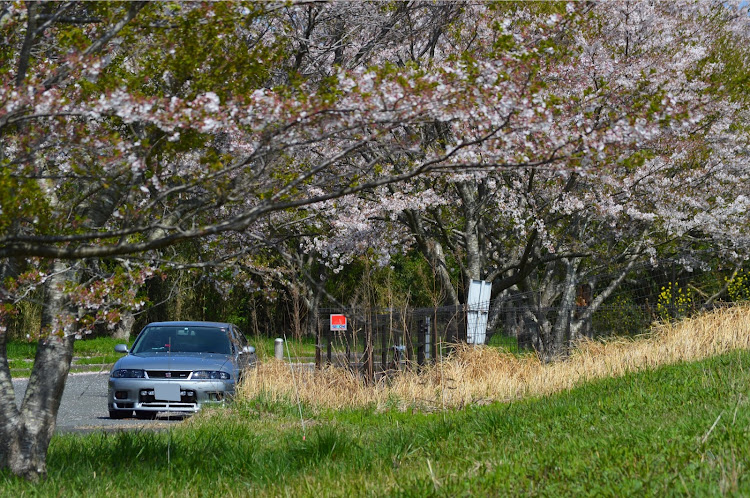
[(25, 433), (125, 327), (470, 234), (313, 305), (432, 250), (565, 309)]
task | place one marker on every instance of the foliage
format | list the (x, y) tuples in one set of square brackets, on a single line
[(621, 317), (739, 286), (674, 302)]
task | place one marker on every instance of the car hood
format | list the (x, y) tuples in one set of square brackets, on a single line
[(175, 361)]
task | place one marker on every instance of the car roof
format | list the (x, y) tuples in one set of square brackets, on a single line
[(190, 324)]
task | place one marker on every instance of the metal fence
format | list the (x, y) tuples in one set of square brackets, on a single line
[(377, 342)]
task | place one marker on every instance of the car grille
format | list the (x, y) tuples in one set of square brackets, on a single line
[(146, 396), (192, 407), (168, 374)]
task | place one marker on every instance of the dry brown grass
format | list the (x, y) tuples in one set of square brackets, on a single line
[(481, 375)]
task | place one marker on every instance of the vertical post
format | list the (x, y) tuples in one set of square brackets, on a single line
[(421, 341), (329, 333), (367, 369), (451, 335), (318, 346), (436, 338), (408, 353), (397, 348), (427, 339), (278, 348), (384, 348), (348, 335), (461, 332)]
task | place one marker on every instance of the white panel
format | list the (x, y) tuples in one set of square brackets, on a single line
[(166, 391), (478, 306)]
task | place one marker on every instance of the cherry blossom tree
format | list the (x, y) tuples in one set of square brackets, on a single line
[(629, 99), (120, 162), (661, 197), (124, 147), (130, 129)]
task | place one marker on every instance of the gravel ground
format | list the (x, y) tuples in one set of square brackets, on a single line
[(84, 406)]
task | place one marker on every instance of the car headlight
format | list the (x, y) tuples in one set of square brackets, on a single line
[(128, 373), (210, 374)]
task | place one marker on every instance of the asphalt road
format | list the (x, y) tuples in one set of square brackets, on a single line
[(84, 406)]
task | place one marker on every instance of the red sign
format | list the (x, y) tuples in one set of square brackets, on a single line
[(338, 322)]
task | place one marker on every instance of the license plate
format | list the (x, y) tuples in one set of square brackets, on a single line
[(167, 392)]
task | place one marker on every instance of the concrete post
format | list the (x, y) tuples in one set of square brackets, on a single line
[(278, 348)]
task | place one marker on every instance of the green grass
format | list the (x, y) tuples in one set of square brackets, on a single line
[(264, 346), (86, 352), (19, 364), (100, 346), (676, 430), (19, 350), (501, 341), (98, 360)]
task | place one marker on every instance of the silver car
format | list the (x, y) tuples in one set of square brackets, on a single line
[(176, 367)]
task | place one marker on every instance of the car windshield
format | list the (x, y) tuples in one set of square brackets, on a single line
[(183, 339)]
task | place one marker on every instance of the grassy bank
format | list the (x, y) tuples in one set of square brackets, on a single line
[(667, 414), (680, 429)]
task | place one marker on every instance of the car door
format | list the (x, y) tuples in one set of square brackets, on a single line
[(239, 342)]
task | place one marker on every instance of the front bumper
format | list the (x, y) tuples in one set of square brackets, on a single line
[(142, 394)]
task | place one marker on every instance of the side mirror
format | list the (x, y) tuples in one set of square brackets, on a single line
[(121, 348), (248, 350)]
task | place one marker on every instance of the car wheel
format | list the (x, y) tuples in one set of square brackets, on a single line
[(145, 415), (119, 414)]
